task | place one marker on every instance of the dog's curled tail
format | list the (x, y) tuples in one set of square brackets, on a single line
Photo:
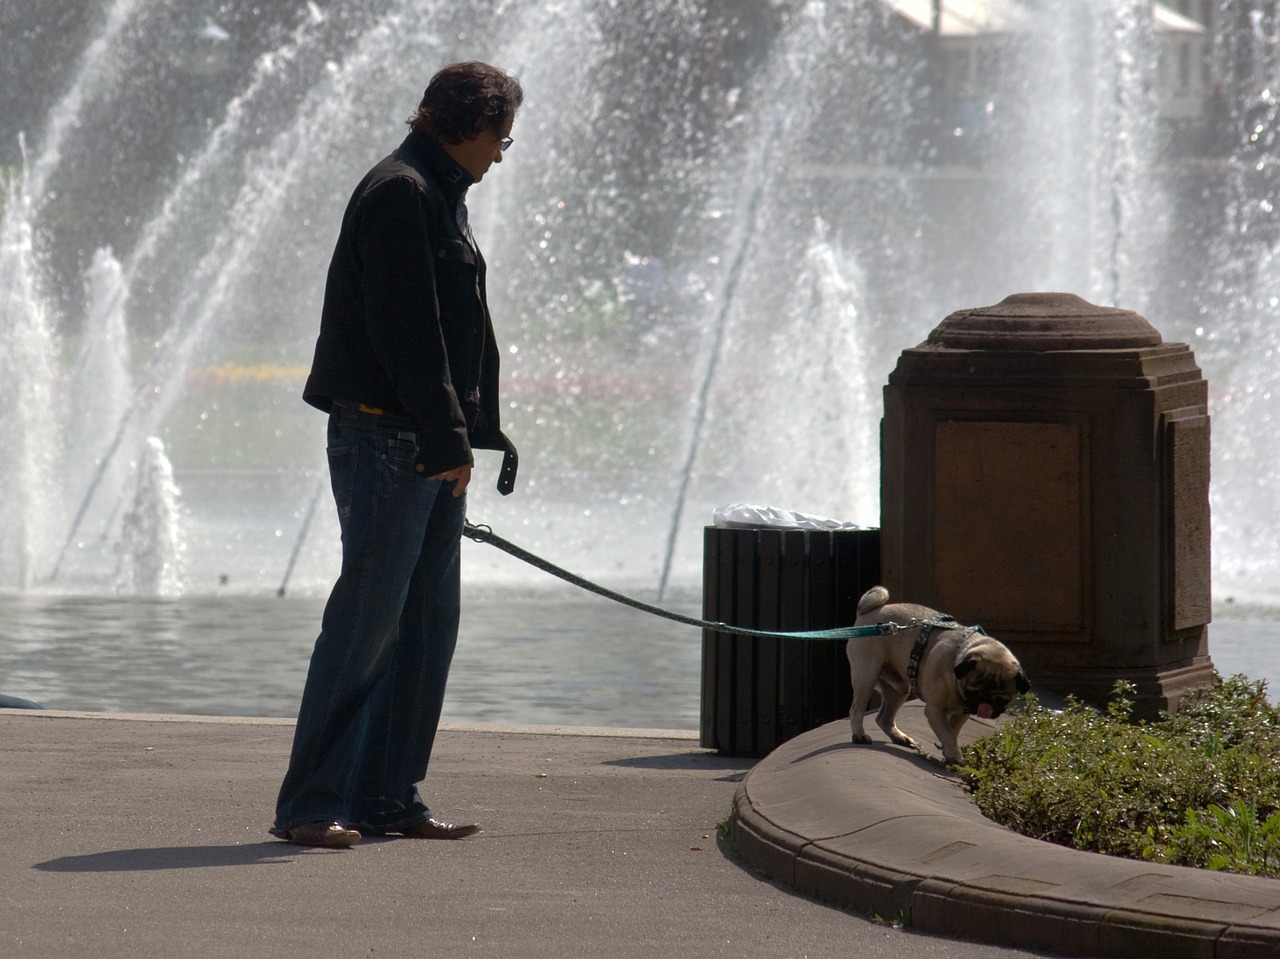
[(872, 600)]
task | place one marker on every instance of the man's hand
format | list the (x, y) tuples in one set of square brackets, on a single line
[(459, 477)]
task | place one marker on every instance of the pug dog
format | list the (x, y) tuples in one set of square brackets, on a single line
[(958, 671)]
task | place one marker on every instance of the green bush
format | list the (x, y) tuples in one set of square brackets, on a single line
[(1200, 787)]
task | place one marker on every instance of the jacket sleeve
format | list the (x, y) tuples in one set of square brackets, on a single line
[(402, 318)]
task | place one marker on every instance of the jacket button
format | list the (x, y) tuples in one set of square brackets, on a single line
[(420, 467), (441, 254)]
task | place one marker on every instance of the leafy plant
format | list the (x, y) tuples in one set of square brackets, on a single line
[(900, 921), (1233, 839), (724, 828), (1200, 787)]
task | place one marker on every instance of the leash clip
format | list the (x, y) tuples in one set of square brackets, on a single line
[(481, 533)]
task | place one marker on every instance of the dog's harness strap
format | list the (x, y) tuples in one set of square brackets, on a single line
[(483, 534), (927, 627), (917, 651)]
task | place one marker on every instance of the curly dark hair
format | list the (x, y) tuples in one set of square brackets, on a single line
[(464, 98)]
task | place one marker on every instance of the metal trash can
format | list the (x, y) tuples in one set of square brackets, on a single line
[(759, 692)]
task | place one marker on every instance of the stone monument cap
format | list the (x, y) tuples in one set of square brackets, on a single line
[(1044, 321)]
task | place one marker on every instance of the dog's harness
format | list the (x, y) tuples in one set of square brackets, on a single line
[(927, 626)]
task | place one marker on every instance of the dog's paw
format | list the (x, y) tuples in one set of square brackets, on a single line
[(860, 739), (902, 739)]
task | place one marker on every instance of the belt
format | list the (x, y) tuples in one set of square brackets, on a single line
[(365, 408)]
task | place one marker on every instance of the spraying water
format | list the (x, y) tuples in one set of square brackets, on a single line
[(719, 225), (150, 550), (27, 365)]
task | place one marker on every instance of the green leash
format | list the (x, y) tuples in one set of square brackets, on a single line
[(485, 534)]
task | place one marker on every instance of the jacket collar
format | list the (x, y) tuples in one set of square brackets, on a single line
[(452, 178)]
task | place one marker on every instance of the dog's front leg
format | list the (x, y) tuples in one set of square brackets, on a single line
[(946, 727)]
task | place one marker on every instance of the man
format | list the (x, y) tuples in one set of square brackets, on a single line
[(407, 367)]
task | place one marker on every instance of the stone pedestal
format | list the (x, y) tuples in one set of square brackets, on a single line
[(1045, 473)]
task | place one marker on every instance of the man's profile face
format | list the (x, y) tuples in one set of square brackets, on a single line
[(476, 154)]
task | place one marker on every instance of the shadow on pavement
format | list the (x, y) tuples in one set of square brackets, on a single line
[(681, 761), (179, 857)]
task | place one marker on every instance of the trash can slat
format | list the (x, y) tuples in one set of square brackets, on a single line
[(769, 591)]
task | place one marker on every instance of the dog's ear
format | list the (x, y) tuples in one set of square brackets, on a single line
[(1024, 685), (966, 666)]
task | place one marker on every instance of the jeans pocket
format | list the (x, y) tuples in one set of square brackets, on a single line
[(400, 451), (342, 476)]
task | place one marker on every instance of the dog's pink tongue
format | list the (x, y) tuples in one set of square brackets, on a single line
[(985, 711)]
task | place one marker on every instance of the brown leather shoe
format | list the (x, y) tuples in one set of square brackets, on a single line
[(332, 835), (431, 828)]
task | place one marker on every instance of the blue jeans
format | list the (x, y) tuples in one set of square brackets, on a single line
[(376, 683)]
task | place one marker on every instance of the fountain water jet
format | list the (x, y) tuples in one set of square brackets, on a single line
[(656, 134), (27, 366), (150, 548)]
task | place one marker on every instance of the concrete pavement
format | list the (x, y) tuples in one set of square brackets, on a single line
[(145, 837)]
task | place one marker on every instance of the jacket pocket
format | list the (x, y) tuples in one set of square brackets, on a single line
[(462, 317)]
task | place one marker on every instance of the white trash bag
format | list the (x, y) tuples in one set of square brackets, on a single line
[(746, 516)]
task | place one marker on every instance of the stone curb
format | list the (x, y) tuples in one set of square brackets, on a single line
[(877, 830)]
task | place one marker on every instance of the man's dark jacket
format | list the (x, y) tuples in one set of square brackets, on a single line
[(405, 326)]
